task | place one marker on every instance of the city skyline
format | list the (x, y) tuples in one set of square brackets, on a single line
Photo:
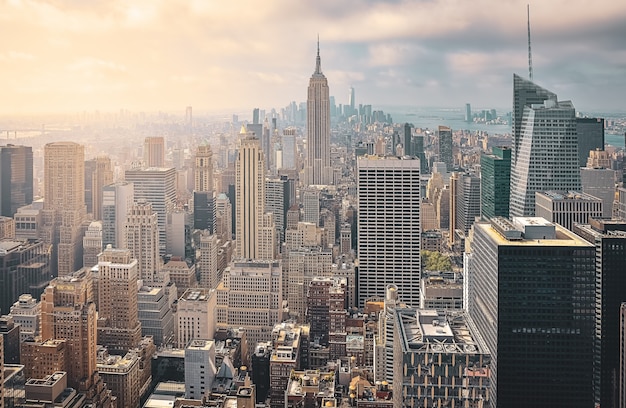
[(66, 57)]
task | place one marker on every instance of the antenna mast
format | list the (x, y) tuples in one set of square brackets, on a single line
[(530, 55)]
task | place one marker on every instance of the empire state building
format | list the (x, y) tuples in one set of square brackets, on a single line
[(318, 170)]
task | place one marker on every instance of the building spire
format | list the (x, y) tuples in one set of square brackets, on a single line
[(318, 60)]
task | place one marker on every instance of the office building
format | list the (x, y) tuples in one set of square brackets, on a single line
[(442, 291), (311, 388), (621, 202), (468, 113), (179, 233), (207, 264), (388, 191), (119, 328), (26, 312), (223, 218), (439, 359), (445, 147), (545, 150), (250, 296), (42, 358), (538, 320), (467, 201), (24, 268), (204, 201), (155, 315), (117, 200), (92, 243), (196, 315), (121, 374), (98, 173), (16, 178), (7, 227), (64, 206), (251, 223), (200, 370), (609, 238), (302, 264), (157, 186), (318, 170), (154, 152), (142, 239), (277, 202), (567, 209), (599, 180), (10, 333), (495, 182), (181, 274), (590, 132)]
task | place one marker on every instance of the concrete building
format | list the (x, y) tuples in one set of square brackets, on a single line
[(29, 221), (445, 146), (98, 173), (567, 209), (622, 356), (10, 333), (599, 180), (289, 352), (121, 374), (24, 268), (64, 206), (590, 136), (207, 262), (467, 201), (157, 186), (200, 368), (142, 239), (317, 170), (119, 328), (250, 296), (25, 312), (155, 315), (154, 151), (42, 358), (92, 243), (439, 358), (532, 260), (545, 151), (388, 227), (311, 388), (16, 178), (442, 291), (301, 266), (52, 390), (117, 200), (495, 182), (1, 372), (196, 316)]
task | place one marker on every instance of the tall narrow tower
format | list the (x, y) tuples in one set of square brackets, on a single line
[(142, 239), (318, 169), (154, 152), (203, 197)]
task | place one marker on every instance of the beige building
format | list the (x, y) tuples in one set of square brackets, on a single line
[(64, 206), (26, 312), (98, 173), (183, 275), (250, 296), (92, 243), (204, 169), (7, 227), (142, 239), (119, 328), (207, 263), (121, 374), (301, 266), (196, 316), (154, 151), (42, 358)]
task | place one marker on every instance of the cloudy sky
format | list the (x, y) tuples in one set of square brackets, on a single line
[(221, 55)]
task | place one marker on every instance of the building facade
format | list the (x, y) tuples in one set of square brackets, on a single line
[(495, 183), (16, 178)]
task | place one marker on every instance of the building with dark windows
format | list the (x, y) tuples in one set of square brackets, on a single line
[(590, 133), (16, 178), (609, 238), (445, 147), (467, 201), (495, 183), (531, 294)]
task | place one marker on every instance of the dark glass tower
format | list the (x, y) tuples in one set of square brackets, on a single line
[(445, 147), (495, 183), (16, 178), (531, 294), (590, 133)]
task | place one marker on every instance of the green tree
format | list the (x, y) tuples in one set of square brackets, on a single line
[(436, 261)]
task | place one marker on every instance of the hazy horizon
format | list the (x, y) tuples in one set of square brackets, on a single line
[(65, 56)]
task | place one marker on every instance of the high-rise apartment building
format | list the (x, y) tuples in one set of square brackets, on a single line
[(250, 296), (388, 191), (142, 239), (64, 205), (117, 200), (318, 170), (590, 133), (253, 226), (98, 173), (445, 146), (495, 183), (609, 238), (154, 151), (16, 178), (26, 312), (545, 149), (157, 186), (531, 295), (119, 328)]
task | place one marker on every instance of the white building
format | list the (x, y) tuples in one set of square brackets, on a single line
[(566, 209), (92, 244), (26, 313), (117, 200), (195, 316), (199, 368), (389, 227)]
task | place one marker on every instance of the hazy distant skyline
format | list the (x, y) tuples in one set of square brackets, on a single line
[(73, 55)]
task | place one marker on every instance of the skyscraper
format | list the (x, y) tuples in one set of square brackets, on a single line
[(117, 200), (445, 146), (119, 329), (157, 186), (203, 196), (590, 133), (531, 295), (318, 170), (250, 199), (409, 148), (495, 182), (154, 151), (351, 100), (16, 178), (545, 150), (142, 239), (388, 191), (98, 173), (467, 201), (64, 205)]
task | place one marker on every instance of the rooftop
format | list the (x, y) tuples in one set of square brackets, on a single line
[(529, 231)]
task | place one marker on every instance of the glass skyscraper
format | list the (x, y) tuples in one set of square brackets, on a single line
[(495, 182)]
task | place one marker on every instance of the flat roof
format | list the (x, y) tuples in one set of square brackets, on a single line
[(564, 238)]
